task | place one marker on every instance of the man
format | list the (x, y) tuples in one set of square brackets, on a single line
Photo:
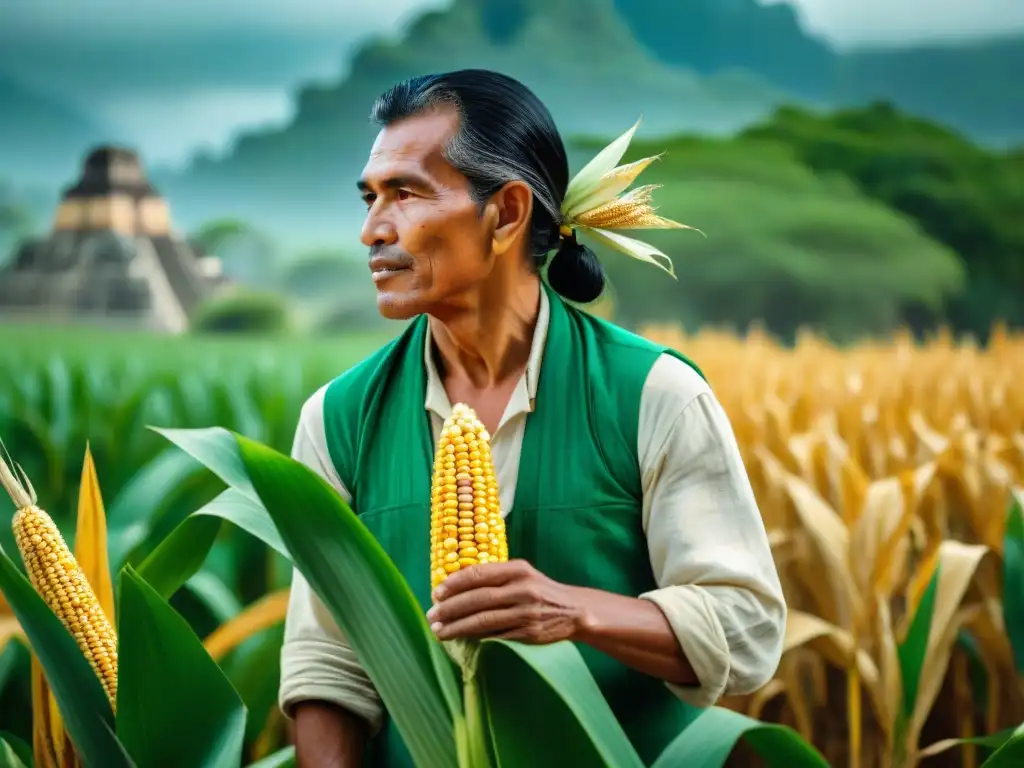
[(632, 527)]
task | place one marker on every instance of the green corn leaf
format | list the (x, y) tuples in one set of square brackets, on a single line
[(930, 635), (14, 753), (352, 574), (212, 448), (1010, 754), (709, 741), (567, 721), (88, 717), (447, 676), (14, 656), (8, 757), (142, 501), (255, 672), (182, 553), (283, 758), (913, 649), (447, 672), (1013, 577), (174, 704), (214, 595), (989, 742)]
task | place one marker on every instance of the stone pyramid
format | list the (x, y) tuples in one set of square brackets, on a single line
[(111, 257)]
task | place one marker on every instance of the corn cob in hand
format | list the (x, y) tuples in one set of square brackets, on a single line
[(466, 527)]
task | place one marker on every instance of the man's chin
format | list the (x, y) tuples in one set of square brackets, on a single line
[(394, 305)]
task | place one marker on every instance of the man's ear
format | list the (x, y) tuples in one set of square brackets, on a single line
[(511, 208)]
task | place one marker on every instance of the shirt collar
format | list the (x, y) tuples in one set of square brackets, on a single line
[(525, 394)]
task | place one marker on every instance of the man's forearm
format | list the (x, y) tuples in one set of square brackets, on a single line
[(636, 633), (327, 736)]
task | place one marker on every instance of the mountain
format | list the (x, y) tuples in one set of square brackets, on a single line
[(712, 36), (709, 66), (579, 58), (42, 140), (963, 84), (967, 86)]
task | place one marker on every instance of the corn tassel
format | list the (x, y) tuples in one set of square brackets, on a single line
[(56, 576), (466, 527)]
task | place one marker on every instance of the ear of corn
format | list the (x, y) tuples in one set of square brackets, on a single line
[(466, 527), (56, 576)]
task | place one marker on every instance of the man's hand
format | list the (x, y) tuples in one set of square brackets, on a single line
[(515, 601), (510, 600)]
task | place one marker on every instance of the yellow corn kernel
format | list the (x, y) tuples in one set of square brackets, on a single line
[(466, 527), (56, 576)]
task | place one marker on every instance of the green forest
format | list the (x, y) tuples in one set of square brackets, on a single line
[(854, 222)]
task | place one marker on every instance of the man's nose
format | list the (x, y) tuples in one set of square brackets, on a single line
[(378, 231)]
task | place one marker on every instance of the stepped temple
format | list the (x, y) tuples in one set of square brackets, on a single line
[(111, 257)]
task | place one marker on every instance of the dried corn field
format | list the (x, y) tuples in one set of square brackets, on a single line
[(872, 466)]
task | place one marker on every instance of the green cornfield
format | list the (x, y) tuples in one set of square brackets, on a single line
[(889, 476), (63, 388)]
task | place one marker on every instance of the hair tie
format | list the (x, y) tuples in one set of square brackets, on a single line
[(566, 231)]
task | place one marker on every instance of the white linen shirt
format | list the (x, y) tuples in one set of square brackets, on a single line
[(709, 551)]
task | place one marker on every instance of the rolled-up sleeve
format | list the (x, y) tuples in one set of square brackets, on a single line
[(316, 661), (718, 583)]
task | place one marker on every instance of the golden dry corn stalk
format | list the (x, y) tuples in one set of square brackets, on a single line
[(466, 527), (57, 578), (871, 462)]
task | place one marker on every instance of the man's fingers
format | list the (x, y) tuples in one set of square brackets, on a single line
[(483, 624), (479, 600), (482, 575)]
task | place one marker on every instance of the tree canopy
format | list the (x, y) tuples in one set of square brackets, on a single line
[(968, 197), (784, 245)]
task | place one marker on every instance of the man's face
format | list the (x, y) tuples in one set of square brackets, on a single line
[(428, 242)]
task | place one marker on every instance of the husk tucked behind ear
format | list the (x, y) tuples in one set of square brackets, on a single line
[(594, 202)]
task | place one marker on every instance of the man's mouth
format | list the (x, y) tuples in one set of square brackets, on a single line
[(383, 273)]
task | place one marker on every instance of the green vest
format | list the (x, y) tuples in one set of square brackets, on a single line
[(581, 527)]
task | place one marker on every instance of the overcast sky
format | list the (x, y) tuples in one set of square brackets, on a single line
[(843, 21), (176, 75), (865, 21)]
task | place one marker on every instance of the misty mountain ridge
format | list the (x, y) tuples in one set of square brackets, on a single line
[(708, 66), (695, 66), (964, 84), (579, 58), (967, 86)]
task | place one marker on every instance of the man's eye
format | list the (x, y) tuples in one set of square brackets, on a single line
[(368, 200), (404, 194)]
